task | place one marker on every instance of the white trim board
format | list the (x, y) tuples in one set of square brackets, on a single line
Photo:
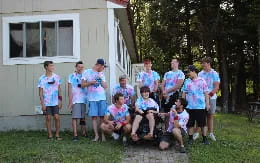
[(36, 18)]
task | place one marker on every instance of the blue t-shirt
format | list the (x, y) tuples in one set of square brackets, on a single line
[(127, 92), (79, 95), (148, 79), (144, 104), (117, 114), (171, 78)]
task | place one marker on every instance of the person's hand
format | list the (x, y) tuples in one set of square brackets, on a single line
[(93, 82), (60, 104), (174, 111), (141, 112), (118, 126), (43, 108), (70, 106), (111, 124), (207, 107)]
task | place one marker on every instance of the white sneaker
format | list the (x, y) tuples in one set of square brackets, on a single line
[(115, 136), (124, 139), (196, 135), (212, 137)]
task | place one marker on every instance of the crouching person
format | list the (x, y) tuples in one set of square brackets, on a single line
[(178, 119), (142, 110), (117, 118)]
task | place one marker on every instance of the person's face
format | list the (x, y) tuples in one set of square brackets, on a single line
[(79, 68), (174, 64), (178, 105), (205, 66), (145, 95), (50, 68), (100, 67), (191, 74), (148, 66), (121, 100), (122, 82)]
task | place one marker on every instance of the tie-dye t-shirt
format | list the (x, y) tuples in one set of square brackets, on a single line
[(183, 119), (144, 104), (148, 79), (117, 114), (171, 79), (127, 92), (195, 90), (50, 86), (210, 77), (95, 92), (79, 95)]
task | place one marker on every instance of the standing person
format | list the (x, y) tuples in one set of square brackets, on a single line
[(212, 79), (117, 118), (95, 81), (77, 99), (50, 98), (150, 79), (195, 90), (126, 89), (172, 82)]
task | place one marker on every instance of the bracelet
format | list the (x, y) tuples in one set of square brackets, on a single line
[(211, 94), (123, 123), (60, 98)]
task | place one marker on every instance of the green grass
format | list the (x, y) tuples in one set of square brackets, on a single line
[(237, 141), (19, 146)]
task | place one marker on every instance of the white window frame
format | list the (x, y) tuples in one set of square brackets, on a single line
[(36, 18)]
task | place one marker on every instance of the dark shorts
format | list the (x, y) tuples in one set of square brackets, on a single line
[(51, 110), (197, 115)]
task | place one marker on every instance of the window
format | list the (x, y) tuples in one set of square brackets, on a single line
[(34, 39)]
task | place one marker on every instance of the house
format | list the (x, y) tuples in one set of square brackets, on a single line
[(64, 31)]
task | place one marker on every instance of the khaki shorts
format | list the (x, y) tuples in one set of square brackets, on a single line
[(213, 105)]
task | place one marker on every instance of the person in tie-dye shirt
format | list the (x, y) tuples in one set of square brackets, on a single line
[(126, 89), (144, 107), (195, 90), (77, 99), (117, 118), (150, 79), (172, 82), (212, 79), (95, 81), (50, 97)]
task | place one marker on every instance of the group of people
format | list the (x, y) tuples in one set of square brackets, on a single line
[(188, 103)]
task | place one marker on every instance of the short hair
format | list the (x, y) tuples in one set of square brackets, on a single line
[(77, 63), (47, 63), (206, 60), (176, 59), (183, 102), (117, 95), (144, 89), (122, 77)]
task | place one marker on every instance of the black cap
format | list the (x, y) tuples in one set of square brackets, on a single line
[(191, 68), (101, 62)]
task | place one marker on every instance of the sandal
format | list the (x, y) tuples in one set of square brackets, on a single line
[(149, 136), (58, 138), (50, 138)]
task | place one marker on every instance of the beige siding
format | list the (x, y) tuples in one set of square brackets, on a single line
[(18, 83), (11, 6)]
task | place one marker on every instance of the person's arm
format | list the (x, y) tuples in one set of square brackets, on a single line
[(176, 87), (138, 110), (104, 84), (215, 89), (70, 96), (41, 99), (183, 95), (132, 101), (163, 88), (156, 84), (59, 98), (207, 100)]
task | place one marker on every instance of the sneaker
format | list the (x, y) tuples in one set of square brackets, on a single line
[(212, 137), (190, 141), (183, 150), (205, 141), (115, 136), (75, 138), (196, 135)]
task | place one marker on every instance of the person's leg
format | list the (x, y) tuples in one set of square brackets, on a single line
[(74, 127), (102, 133), (102, 106), (137, 120), (57, 125), (83, 126), (190, 126), (127, 129), (106, 128), (201, 119), (177, 134), (210, 118), (151, 120), (93, 113), (95, 127), (48, 125)]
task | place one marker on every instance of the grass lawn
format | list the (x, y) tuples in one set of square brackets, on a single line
[(237, 141), (19, 146)]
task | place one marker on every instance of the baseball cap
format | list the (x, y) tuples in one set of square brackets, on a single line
[(190, 68), (101, 62), (147, 61)]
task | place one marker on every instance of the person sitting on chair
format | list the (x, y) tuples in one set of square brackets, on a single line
[(145, 107)]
